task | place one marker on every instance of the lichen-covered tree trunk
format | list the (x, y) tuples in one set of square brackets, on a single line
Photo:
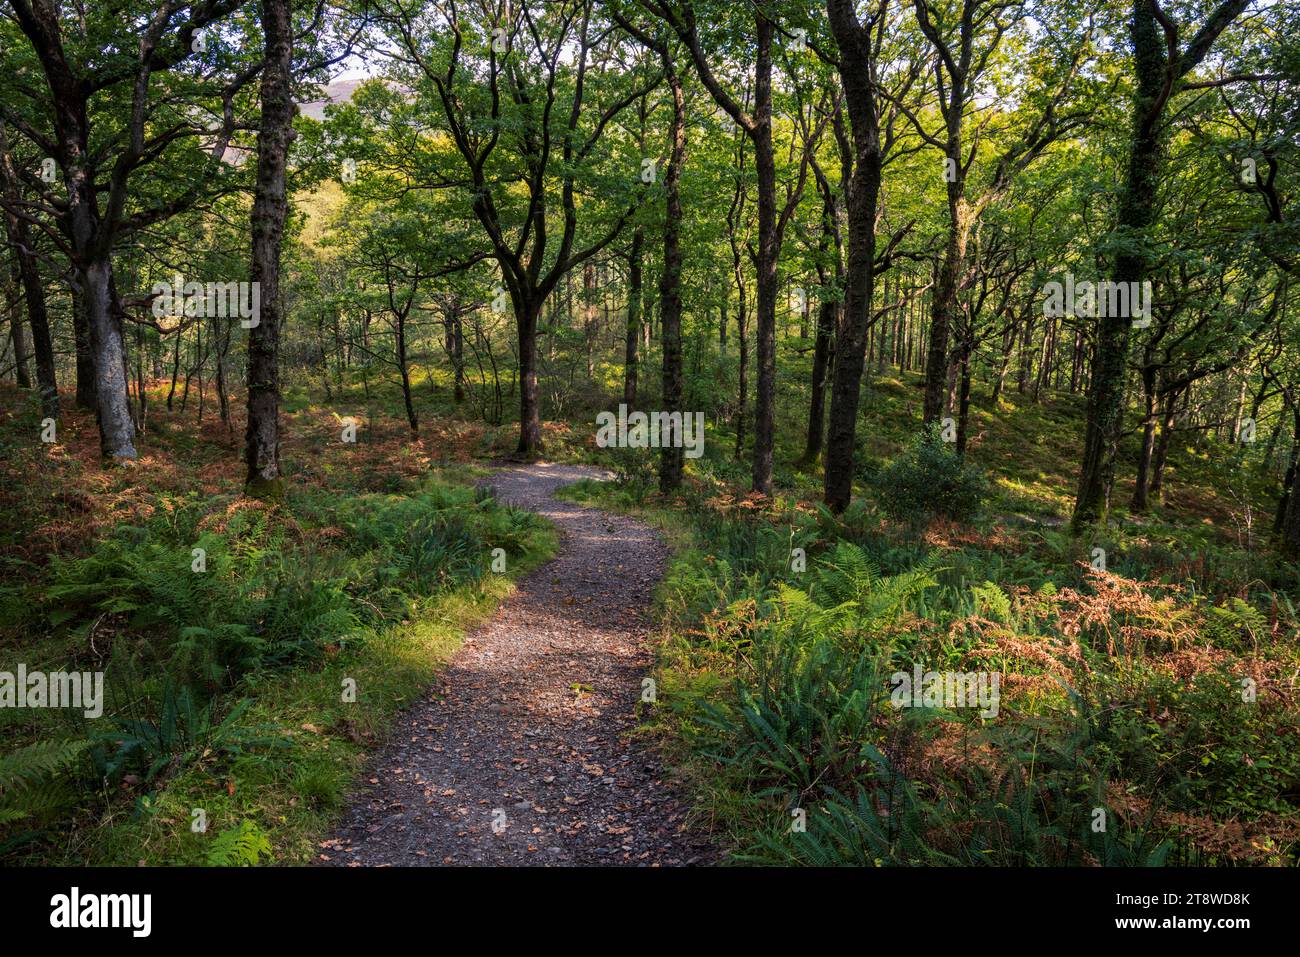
[(944, 304), (116, 429), (90, 240), (94, 275), (270, 207)]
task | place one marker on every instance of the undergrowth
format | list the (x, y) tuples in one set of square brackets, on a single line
[(250, 656), (1141, 721)]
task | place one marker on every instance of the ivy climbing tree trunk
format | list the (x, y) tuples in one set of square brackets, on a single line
[(1158, 67)]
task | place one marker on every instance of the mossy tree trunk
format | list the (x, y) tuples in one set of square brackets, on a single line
[(270, 208)]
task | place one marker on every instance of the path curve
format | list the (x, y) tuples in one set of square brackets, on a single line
[(503, 763)]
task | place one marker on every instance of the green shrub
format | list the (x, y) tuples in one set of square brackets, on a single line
[(1230, 757), (928, 479)]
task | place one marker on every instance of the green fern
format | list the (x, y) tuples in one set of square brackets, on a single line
[(992, 602), (30, 779), (849, 578), (240, 846), (1236, 624), (847, 575)]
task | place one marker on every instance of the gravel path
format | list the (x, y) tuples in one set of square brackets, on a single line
[(520, 753)]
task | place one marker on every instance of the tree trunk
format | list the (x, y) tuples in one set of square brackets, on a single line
[(222, 341), (116, 430), (672, 453), (742, 346), (16, 336), (94, 274), (1026, 356), (944, 304), (29, 277), (854, 43), (458, 351), (828, 317), (632, 339), (176, 365), (883, 329), (1157, 66), (88, 236), (963, 401), (527, 312), (1239, 412), (1288, 480), (85, 397), (1147, 451), (195, 366), (404, 371), (589, 314), (270, 207), (1004, 363), (766, 262), (1290, 525)]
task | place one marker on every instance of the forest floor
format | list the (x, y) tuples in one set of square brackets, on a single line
[(376, 570), (525, 752)]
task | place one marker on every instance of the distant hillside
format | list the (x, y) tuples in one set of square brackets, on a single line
[(340, 91)]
